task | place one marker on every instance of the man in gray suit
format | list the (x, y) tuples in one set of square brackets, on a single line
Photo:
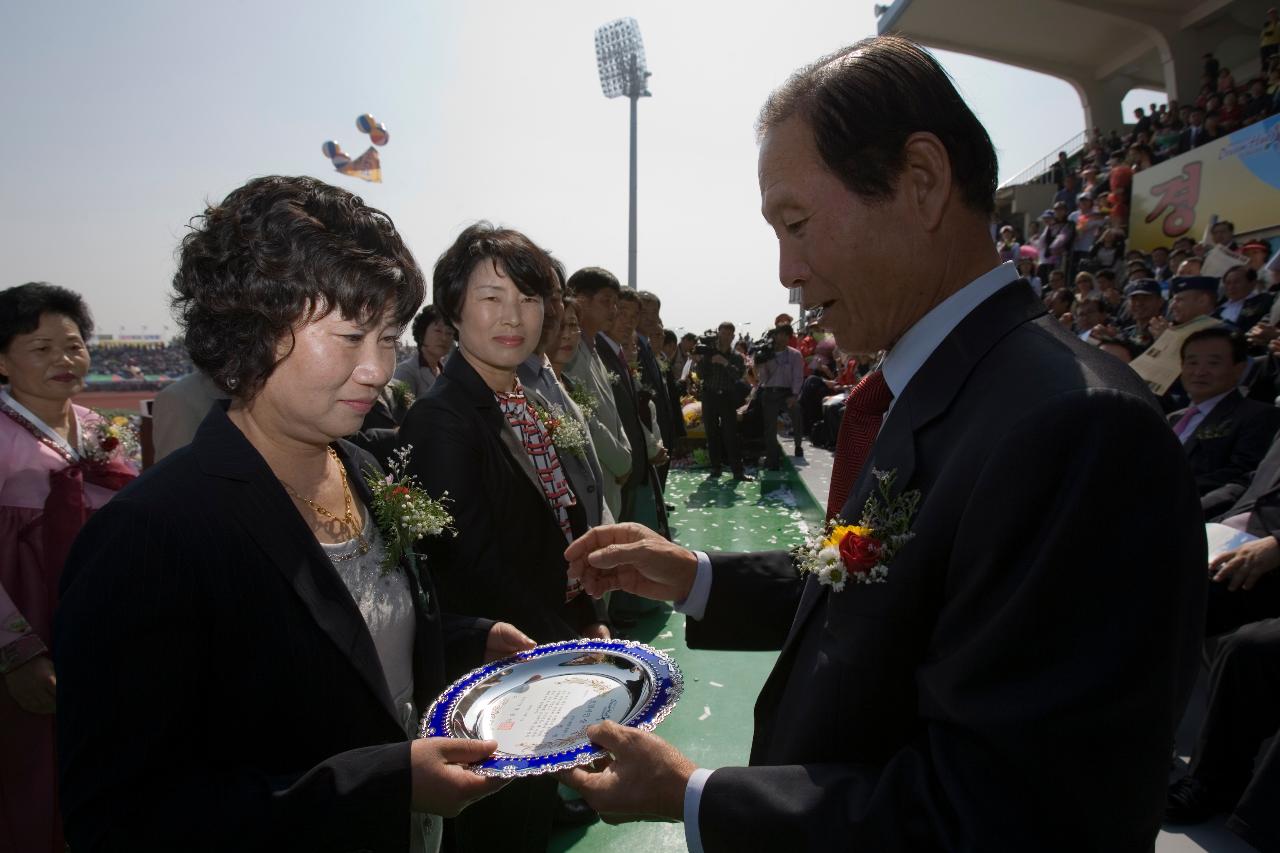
[(179, 409), (596, 296), (538, 378)]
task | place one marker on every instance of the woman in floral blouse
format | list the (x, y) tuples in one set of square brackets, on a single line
[(54, 472)]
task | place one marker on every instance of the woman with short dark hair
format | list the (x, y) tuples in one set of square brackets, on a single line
[(487, 442), (236, 638), (434, 339), (54, 474)]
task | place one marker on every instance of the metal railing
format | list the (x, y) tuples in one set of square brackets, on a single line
[(1039, 171)]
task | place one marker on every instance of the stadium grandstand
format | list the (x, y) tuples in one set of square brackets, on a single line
[(1205, 55)]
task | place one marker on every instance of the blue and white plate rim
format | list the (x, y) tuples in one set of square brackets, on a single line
[(668, 686)]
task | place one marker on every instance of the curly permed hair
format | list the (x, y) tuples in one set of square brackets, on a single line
[(277, 252)]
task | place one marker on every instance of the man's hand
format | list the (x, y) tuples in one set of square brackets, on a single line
[(1157, 326), (633, 558), (1244, 565), (1262, 334), (505, 640), (441, 782), (660, 458), (33, 685), (644, 781), (791, 400)]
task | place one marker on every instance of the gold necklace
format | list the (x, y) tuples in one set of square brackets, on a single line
[(348, 520)]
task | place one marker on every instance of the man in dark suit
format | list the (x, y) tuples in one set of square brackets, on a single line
[(1008, 683), (1194, 135), (627, 396), (1240, 306), (1248, 586), (1243, 614), (1223, 434), (649, 338)]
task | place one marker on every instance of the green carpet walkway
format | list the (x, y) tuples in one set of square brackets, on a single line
[(712, 724)]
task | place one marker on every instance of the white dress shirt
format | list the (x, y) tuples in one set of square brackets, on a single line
[(1202, 412), (1231, 311), (899, 367)]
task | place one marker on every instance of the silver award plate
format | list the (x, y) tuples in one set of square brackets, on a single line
[(537, 704)]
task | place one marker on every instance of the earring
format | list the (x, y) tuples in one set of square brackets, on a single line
[(232, 383)]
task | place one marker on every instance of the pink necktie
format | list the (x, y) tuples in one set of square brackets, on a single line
[(1181, 425)]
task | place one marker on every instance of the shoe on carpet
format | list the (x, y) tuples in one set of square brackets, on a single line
[(1190, 801)]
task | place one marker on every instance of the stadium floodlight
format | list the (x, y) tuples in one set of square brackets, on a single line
[(620, 61)]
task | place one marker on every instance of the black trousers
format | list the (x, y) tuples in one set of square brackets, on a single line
[(1244, 710), (773, 401), (720, 416), (1226, 611)]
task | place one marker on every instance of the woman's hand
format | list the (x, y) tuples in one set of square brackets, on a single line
[(33, 685), (442, 783), (505, 640)]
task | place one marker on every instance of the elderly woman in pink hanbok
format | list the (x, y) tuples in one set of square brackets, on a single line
[(56, 467)]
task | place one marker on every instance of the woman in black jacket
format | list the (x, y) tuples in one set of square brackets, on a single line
[(237, 669), (483, 444)]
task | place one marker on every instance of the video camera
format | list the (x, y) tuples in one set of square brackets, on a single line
[(706, 345), (762, 350)]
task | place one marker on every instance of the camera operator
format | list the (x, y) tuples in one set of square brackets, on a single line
[(780, 373), (721, 370)]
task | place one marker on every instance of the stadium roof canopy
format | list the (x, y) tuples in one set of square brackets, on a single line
[(1104, 49)]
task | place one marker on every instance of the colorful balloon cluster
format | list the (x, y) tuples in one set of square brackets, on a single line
[(377, 130), (366, 166), (334, 152)]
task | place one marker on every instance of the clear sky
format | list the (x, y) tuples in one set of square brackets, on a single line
[(122, 118)]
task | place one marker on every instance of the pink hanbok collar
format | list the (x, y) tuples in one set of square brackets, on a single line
[(39, 430)]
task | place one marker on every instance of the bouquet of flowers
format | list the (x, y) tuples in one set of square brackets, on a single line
[(403, 510), (864, 550), (109, 438), (586, 401), (564, 430)]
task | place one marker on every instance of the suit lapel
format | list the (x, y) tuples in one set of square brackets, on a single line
[(613, 362), (516, 450), (266, 513), (894, 450), (460, 371), (1222, 412), (926, 397)]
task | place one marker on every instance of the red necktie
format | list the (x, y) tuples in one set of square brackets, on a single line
[(863, 414)]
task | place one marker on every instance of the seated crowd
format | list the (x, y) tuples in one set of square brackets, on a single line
[(1209, 347)]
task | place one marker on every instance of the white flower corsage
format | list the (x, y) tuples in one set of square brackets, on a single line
[(864, 550), (402, 509)]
